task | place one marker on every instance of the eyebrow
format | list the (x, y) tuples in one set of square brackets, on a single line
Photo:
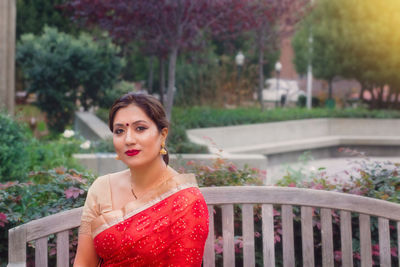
[(135, 122)]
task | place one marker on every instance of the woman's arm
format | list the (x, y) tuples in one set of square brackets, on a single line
[(86, 255)]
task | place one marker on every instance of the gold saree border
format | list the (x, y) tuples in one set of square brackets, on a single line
[(109, 218)]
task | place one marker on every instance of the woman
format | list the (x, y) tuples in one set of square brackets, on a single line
[(147, 215)]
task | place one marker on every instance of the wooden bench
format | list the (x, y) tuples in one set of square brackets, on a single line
[(269, 198)]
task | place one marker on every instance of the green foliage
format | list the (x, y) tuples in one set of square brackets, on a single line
[(224, 173), (62, 69), (13, 152), (32, 16), (112, 94), (201, 117), (53, 153), (196, 77), (48, 192), (178, 142), (352, 39)]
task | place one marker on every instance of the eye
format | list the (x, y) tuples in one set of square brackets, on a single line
[(118, 131), (141, 128)]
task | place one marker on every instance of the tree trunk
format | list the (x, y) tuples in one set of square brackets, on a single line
[(396, 99), (361, 95), (330, 88), (162, 79), (171, 80), (260, 77), (151, 75)]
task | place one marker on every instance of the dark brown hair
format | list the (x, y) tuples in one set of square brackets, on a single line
[(149, 104)]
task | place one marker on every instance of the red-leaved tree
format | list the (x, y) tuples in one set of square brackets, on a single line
[(171, 26)]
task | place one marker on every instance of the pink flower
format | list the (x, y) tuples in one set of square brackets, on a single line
[(218, 246), (375, 250), (73, 192), (7, 185), (318, 187), (276, 213), (190, 162), (277, 238), (232, 168), (338, 256), (257, 234), (356, 255), (3, 219), (393, 251), (238, 243), (292, 184)]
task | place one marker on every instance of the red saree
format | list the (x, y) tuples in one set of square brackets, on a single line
[(168, 227)]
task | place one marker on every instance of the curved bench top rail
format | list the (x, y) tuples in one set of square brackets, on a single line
[(241, 194), (301, 197), (53, 224)]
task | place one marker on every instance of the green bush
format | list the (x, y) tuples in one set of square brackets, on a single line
[(48, 192), (13, 152), (112, 94), (62, 69), (201, 117)]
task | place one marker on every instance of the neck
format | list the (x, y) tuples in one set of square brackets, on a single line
[(143, 177)]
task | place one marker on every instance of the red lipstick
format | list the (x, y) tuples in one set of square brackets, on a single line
[(132, 152)]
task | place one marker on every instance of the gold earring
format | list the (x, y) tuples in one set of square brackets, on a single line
[(117, 157), (163, 151)]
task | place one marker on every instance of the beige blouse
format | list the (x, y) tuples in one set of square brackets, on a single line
[(98, 213)]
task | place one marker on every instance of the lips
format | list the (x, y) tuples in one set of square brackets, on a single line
[(132, 152)]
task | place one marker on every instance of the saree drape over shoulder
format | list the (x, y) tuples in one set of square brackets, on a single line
[(167, 227)]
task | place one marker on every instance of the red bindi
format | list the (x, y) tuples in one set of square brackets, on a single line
[(127, 124)]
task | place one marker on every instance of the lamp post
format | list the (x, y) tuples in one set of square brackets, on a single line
[(278, 68), (239, 60)]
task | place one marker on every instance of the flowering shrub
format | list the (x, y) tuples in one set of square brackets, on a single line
[(46, 193), (224, 173), (13, 138), (364, 177)]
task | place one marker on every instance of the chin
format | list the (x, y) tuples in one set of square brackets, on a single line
[(138, 163)]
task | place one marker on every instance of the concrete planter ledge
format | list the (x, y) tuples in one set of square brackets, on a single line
[(103, 163), (300, 135)]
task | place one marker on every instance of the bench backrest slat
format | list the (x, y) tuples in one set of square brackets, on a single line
[(287, 236), (248, 235), (267, 214), (63, 249), (209, 252), (228, 235), (41, 256), (398, 240), (327, 237), (284, 199), (17, 245), (301, 197), (346, 238), (384, 242), (307, 236), (365, 240)]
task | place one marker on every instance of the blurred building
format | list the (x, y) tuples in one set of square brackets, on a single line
[(343, 90)]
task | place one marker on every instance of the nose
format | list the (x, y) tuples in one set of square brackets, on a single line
[(130, 137)]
